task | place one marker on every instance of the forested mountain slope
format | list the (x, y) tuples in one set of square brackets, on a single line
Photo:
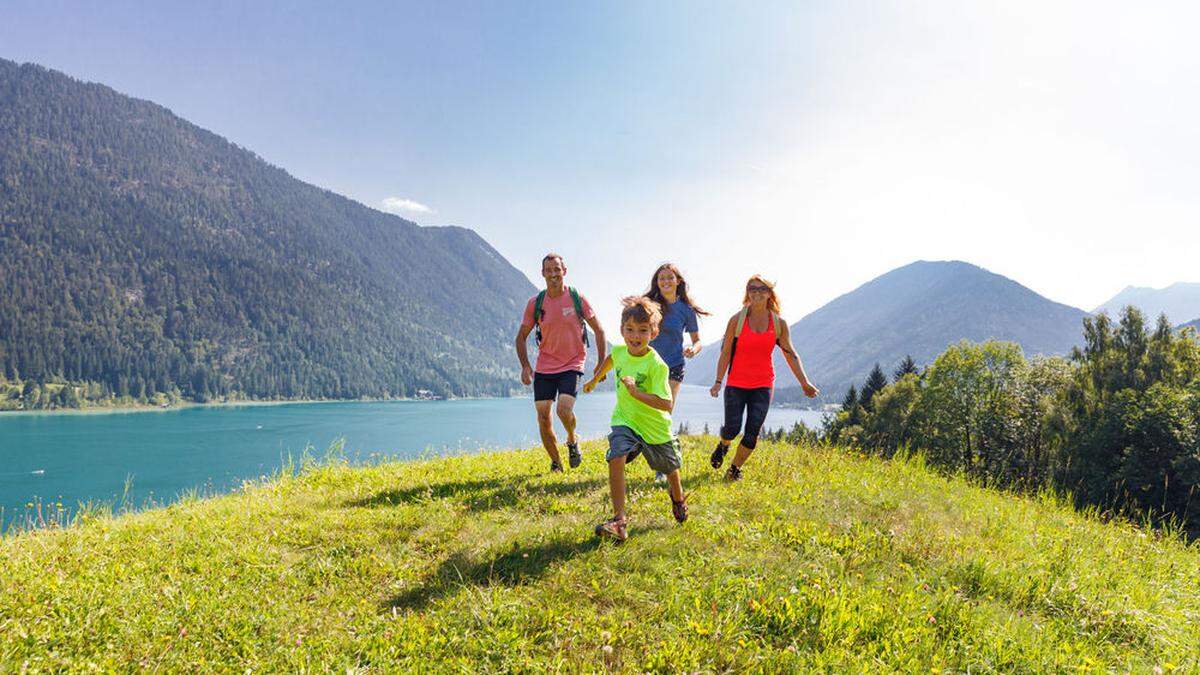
[(144, 254)]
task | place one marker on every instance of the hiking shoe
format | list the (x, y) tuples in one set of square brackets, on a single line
[(613, 527), (679, 509), (733, 474), (555, 467), (574, 456), (718, 456)]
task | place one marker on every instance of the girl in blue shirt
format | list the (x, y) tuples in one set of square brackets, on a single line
[(670, 290)]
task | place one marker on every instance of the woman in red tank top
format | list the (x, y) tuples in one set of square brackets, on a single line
[(747, 354)]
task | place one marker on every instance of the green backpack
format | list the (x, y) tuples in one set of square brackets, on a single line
[(538, 312)]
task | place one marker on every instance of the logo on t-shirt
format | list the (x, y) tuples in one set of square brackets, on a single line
[(568, 311)]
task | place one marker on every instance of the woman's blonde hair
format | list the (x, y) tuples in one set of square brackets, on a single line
[(772, 302)]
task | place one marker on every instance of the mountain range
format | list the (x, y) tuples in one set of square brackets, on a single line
[(916, 310), (140, 254), (1179, 301)]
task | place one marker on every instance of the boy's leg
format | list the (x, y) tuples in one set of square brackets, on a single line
[(675, 486), (616, 485)]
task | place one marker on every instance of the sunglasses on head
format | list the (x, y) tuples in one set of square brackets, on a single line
[(757, 289)]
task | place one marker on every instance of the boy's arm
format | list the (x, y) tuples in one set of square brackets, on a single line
[(656, 402), (656, 382), (601, 372)]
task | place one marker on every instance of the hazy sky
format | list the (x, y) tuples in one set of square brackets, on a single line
[(820, 144)]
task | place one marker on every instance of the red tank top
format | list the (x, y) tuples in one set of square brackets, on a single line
[(752, 365)]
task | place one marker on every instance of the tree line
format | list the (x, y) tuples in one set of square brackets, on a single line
[(1116, 424)]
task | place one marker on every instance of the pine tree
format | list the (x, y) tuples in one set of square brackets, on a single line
[(851, 399), (876, 381), (907, 367)]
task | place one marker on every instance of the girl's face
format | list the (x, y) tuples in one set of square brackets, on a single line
[(667, 281)]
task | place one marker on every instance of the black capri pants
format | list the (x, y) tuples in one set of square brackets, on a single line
[(755, 403)]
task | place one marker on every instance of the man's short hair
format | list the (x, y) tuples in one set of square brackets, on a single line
[(552, 256)]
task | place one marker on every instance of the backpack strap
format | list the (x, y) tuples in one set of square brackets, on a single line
[(537, 315), (575, 300), (741, 323)]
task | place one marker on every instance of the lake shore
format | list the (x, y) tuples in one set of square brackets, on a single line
[(182, 405)]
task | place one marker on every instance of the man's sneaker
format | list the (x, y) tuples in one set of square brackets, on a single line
[(555, 467), (574, 456), (660, 477), (613, 527), (718, 456), (733, 474), (679, 509)]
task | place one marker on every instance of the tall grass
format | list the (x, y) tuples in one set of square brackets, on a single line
[(819, 559)]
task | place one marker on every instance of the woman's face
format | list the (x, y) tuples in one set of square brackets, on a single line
[(759, 293), (667, 281)]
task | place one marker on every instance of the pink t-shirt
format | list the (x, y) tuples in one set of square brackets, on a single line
[(562, 337)]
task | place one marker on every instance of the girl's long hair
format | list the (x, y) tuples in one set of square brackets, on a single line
[(772, 302), (681, 289)]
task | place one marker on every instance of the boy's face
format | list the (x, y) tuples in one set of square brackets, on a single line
[(637, 335)]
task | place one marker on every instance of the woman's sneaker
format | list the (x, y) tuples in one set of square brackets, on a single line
[(718, 456), (574, 456), (679, 509), (613, 527), (733, 474), (555, 467)]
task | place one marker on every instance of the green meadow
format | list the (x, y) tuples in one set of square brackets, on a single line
[(820, 559)]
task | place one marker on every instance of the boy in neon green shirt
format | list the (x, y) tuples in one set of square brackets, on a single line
[(641, 420)]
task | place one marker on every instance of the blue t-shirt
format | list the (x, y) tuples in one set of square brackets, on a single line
[(678, 318)]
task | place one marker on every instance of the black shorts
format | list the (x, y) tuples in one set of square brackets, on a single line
[(676, 373), (549, 387)]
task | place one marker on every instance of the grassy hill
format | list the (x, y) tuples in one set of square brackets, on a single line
[(818, 559)]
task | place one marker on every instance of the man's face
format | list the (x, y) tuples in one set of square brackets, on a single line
[(553, 271)]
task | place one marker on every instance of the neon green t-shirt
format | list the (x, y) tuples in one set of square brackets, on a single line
[(650, 372)]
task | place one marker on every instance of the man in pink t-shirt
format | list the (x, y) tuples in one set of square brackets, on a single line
[(560, 358)]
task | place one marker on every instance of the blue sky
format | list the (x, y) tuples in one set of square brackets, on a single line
[(821, 144)]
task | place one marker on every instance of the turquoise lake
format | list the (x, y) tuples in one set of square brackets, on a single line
[(76, 458)]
